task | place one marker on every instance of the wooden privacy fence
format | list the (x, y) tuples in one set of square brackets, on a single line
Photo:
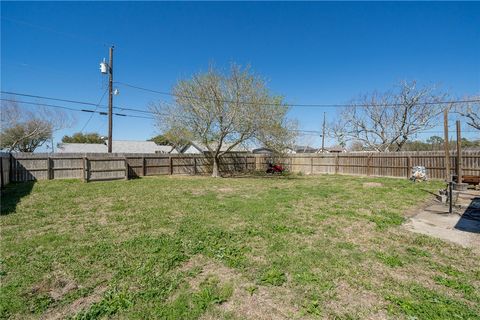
[(393, 164), (97, 167), (94, 167)]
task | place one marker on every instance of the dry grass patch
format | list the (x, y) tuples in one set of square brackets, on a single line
[(77, 306), (249, 300)]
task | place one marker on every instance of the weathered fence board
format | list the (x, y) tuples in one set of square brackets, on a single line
[(93, 167)]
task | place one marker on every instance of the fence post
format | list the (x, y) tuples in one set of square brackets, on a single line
[(144, 169), (171, 165), (194, 165), (85, 169), (2, 183), (409, 165), (336, 164), (126, 168), (10, 173), (369, 168), (311, 165), (49, 169)]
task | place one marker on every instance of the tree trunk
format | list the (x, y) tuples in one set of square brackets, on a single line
[(215, 171)]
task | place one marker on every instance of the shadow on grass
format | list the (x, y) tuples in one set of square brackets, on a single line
[(12, 195)]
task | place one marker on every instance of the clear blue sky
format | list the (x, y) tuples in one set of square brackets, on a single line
[(309, 52)]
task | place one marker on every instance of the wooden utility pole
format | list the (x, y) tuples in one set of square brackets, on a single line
[(110, 99), (446, 145), (459, 153), (323, 133)]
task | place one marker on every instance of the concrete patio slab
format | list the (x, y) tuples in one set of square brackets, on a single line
[(461, 227)]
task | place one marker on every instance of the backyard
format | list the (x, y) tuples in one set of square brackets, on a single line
[(180, 247)]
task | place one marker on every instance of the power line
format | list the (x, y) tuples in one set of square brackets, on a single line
[(98, 105), (78, 110), (303, 132), (91, 116), (75, 102), (289, 104), (50, 98)]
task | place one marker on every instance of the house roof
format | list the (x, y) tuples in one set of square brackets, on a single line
[(264, 150), (335, 149), (81, 148), (201, 147), (118, 146), (305, 149)]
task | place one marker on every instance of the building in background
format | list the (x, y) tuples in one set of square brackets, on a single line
[(118, 146)]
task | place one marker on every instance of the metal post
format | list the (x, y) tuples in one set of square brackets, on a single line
[(450, 196), (110, 100), (459, 153), (448, 175), (323, 133)]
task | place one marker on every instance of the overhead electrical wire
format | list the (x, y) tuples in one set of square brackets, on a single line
[(91, 116), (73, 109), (305, 132), (125, 108), (289, 104), (76, 102), (154, 113)]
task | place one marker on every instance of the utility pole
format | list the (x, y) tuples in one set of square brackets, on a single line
[(446, 145), (323, 133), (110, 99)]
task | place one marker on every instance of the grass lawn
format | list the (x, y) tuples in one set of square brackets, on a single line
[(235, 248)]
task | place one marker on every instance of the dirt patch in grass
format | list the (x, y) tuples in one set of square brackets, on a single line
[(199, 192), (248, 301), (264, 303), (352, 300), (225, 190), (372, 184), (208, 268), (55, 286), (76, 306)]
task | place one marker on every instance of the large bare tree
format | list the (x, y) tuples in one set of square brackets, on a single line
[(471, 111), (225, 110), (386, 121), (24, 130)]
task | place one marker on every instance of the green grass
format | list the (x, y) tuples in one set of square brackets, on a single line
[(191, 247)]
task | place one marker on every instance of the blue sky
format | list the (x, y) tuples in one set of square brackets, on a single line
[(309, 52)]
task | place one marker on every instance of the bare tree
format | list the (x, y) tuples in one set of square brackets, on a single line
[(223, 111), (471, 111), (386, 121), (25, 131)]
